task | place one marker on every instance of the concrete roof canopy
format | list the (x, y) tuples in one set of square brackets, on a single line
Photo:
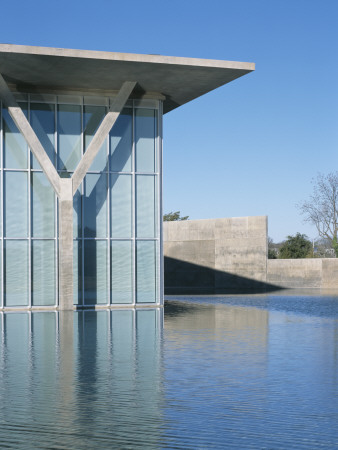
[(178, 79)]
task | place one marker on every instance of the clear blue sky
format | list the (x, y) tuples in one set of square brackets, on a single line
[(248, 148)]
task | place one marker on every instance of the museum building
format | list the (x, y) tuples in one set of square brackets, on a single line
[(81, 172)]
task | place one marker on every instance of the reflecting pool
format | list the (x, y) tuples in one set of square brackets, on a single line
[(214, 372)]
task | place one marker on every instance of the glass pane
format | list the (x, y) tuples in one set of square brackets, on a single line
[(42, 117), (121, 206), (16, 204), (121, 140), (16, 273), (15, 147), (95, 205), (69, 136), (43, 206), (121, 272), (145, 206), (92, 118), (145, 134), (43, 273), (77, 214), (95, 272), (145, 271), (77, 273)]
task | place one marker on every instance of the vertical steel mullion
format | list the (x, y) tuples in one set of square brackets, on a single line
[(156, 202), (82, 207), (108, 215), (2, 208), (133, 196), (56, 230), (160, 262), (29, 213), (134, 349)]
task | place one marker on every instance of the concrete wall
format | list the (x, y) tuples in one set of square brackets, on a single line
[(215, 254), (303, 273), (230, 256)]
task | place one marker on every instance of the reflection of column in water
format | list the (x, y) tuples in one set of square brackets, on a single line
[(90, 329), (118, 374), (42, 365), (65, 367), (73, 376)]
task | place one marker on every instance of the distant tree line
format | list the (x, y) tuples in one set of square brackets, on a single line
[(173, 216), (297, 246), (321, 210), (300, 246)]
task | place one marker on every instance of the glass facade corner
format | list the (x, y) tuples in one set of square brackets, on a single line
[(117, 208)]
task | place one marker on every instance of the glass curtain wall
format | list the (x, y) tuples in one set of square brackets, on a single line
[(117, 213)]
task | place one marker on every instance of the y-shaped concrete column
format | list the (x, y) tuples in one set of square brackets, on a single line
[(66, 243), (65, 188)]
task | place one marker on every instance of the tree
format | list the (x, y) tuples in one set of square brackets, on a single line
[(272, 251), (322, 208), (297, 246), (322, 248), (173, 216)]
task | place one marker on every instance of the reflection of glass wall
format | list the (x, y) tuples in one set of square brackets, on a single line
[(116, 209), (69, 379)]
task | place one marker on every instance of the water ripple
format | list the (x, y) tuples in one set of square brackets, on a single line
[(218, 376)]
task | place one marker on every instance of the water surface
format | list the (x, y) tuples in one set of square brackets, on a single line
[(223, 372)]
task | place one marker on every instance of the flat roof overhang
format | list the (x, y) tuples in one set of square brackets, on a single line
[(178, 79)]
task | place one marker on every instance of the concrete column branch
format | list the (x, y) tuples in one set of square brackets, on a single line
[(101, 134), (29, 135)]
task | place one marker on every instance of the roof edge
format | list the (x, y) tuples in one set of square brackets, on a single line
[(131, 57)]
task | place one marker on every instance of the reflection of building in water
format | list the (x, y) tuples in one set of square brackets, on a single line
[(69, 376), (218, 319), (224, 330)]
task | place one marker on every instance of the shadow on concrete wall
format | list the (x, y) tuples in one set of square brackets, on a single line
[(181, 278)]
